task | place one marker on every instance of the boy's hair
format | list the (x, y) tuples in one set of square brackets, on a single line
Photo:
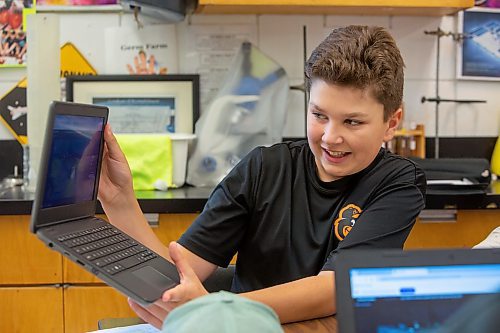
[(361, 57)]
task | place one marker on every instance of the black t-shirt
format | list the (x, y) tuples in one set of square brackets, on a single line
[(286, 224)]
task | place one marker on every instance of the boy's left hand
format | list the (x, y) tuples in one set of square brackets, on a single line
[(189, 288)]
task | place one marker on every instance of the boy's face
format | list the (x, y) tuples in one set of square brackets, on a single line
[(345, 129)]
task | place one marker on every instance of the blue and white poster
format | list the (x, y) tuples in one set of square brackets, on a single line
[(480, 51)]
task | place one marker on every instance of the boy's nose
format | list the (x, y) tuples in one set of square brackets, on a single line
[(333, 135)]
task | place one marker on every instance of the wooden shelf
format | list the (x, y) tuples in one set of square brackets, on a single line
[(409, 142), (334, 7)]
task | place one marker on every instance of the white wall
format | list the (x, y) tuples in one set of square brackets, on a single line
[(281, 38)]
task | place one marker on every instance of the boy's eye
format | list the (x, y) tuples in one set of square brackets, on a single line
[(352, 122), (319, 115)]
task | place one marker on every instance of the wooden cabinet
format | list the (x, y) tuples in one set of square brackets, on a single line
[(469, 228), (39, 265), (84, 306), (31, 309), (334, 7), (40, 291)]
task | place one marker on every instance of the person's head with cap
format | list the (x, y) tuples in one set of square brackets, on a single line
[(222, 312)]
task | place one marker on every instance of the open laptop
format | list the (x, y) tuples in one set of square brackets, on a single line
[(65, 205), (394, 291)]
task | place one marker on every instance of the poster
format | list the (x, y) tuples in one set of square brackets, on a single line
[(479, 54), (210, 51), (13, 42), (148, 50)]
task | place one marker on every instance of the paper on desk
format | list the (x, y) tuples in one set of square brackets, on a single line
[(141, 328), (492, 241), (464, 181)]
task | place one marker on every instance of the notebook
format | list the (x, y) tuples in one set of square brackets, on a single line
[(65, 205), (393, 291)]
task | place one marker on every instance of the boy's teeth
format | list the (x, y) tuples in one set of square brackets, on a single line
[(336, 153)]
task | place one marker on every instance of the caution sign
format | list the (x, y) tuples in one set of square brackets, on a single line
[(13, 111), (74, 63)]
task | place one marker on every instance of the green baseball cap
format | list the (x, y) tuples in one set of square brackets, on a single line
[(222, 312)]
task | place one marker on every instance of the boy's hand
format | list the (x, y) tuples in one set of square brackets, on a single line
[(116, 178), (189, 288)]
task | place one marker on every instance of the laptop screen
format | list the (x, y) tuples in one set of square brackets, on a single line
[(421, 298), (73, 161)]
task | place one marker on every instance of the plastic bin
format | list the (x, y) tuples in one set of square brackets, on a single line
[(180, 144)]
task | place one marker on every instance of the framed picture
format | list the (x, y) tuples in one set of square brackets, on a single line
[(479, 53), (141, 103)]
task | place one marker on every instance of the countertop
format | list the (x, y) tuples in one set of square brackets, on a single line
[(187, 199)]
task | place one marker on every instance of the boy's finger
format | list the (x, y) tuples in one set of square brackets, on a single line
[(174, 295), (145, 315), (113, 148)]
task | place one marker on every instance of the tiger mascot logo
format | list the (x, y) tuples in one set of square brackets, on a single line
[(346, 220)]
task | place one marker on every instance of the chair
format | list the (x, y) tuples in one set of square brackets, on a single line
[(221, 279)]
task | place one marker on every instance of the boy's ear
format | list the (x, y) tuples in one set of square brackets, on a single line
[(393, 124)]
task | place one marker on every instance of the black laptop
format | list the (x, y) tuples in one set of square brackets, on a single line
[(428, 291), (65, 205)]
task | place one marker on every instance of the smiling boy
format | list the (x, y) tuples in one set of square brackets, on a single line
[(289, 209)]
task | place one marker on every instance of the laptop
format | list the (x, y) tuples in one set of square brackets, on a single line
[(66, 200), (431, 291)]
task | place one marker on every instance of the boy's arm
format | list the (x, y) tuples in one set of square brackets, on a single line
[(307, 298)]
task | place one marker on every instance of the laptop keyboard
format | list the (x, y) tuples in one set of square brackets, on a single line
[(108, 248)]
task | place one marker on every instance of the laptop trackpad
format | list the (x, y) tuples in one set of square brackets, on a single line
[(154, 278)]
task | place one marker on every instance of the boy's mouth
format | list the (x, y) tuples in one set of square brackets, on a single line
[(336, 154)]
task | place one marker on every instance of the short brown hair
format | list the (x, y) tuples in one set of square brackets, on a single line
[(362, 57)]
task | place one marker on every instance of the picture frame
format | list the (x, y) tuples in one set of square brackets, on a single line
[(141, 103), (478, 54)]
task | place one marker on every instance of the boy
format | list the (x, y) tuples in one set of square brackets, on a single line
[(289, 209)]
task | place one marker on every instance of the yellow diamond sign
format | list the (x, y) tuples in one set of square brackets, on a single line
[(73, 62)]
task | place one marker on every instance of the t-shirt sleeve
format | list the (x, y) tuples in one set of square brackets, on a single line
[(388, 218), (216, 233)]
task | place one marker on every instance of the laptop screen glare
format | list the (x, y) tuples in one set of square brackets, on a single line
[(73, 161)]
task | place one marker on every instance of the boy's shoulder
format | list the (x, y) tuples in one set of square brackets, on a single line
[(284, 152), (397, 160), (390, 167), (287, 146)]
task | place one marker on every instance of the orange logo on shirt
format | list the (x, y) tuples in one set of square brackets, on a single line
[(346, 220)]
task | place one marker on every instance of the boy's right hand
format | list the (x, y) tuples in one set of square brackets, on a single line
[(115, 183)]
